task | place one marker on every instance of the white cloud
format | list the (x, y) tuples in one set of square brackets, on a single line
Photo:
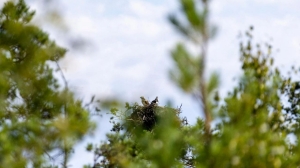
[(101, 8), (146, 10)]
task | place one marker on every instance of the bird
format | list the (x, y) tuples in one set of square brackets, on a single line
[(144, 101), (154, 101)]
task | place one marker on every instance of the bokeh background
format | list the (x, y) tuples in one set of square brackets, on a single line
[(122, 48)]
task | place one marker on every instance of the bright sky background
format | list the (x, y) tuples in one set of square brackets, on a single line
[(128, 44)]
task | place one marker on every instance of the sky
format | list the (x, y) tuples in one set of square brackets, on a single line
[(122, 48)]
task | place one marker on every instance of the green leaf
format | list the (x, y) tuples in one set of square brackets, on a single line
[(213, 83), (89, 147)]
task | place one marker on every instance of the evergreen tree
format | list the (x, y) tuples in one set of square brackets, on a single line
[(255, 119), (39, 119)]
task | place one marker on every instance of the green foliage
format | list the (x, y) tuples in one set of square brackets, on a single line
[(37, 116), (186, 76), (140, 135), (251, 134), (253, 120)]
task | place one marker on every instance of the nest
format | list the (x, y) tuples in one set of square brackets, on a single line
[(148, 114)]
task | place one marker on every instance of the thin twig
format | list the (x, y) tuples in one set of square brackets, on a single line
[(202, 84), (62, 74)]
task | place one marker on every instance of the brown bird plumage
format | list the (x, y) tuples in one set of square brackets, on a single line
[(144, 101)]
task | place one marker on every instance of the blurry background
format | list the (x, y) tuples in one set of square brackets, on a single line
[(122, 48)]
